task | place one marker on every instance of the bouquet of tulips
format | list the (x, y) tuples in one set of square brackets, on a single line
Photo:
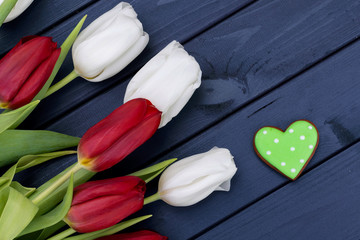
[(67, 206)]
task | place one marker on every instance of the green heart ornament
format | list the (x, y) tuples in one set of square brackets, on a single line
[(287, 152)]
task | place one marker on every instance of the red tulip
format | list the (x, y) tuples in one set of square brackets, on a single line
[(25, 70), (101, 204), (141, 235), (117, 135)]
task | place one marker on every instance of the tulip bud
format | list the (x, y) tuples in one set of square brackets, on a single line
[(192, 179), (25, 70), (19, 8), (140, 235), (101, 204), (109, 44), (168, 80), (117, 135)]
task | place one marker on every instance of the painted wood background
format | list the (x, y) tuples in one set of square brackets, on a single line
[(264, 63)]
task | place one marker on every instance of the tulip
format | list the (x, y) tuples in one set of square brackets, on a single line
[(109, 44), (101, 204), (25, 70), (117, 135), (168, 80), (192, 179), (19, 8), (140, 235)]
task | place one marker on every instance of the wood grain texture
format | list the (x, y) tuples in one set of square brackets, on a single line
[(41, 15), (321, 205), (252, 53), (327, 95), (218, 96), (164, 21), (245, 56)]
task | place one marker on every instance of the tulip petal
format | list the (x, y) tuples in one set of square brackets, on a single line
[(65, 47), (18, 9), (124, 60), (109, 43), (168, 80), (100, 22), (18, 64), (101, 204), (107, 187), (102, 135), (35, 82), (225, 186), (127, 143), (192, 179)]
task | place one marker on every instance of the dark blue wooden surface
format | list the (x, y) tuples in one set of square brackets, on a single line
[(264, 63)]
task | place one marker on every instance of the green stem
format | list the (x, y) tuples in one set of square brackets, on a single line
[(63, 234), (152, 198), (56, 184), (61, 83)]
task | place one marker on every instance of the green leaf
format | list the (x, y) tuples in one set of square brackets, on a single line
[(152, 172), (15, 144), (23, 190), (12, 119), (54, 216), (65, 47), (44, 233), (4, 194), (108, 231), (5, 9), (4, 182), (7, 177), (24, 163), (47, 232), (28, 161), (16, 214), (55, 197)]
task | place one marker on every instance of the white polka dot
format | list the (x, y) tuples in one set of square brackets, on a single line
[(302, 160), (265, 132), (292, 149), (311, 146), (293, 170), (283, 164), (291, 130), (302, 137), (276, 140), (268, 152), (310, 127)]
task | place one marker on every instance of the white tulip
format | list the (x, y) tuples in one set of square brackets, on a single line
[(168, 80), (192, 179), (18, 9), (109, 44)]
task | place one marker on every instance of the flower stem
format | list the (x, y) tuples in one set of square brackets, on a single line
[(63, 234), (61, 83), (152, 198), (56, 184)]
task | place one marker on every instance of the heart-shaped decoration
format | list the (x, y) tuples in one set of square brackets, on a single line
[(287, 152)]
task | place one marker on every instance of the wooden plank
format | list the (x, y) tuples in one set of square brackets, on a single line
[(41, 15), (324, 204), (164, 20), (243, 57), (326, 95)]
